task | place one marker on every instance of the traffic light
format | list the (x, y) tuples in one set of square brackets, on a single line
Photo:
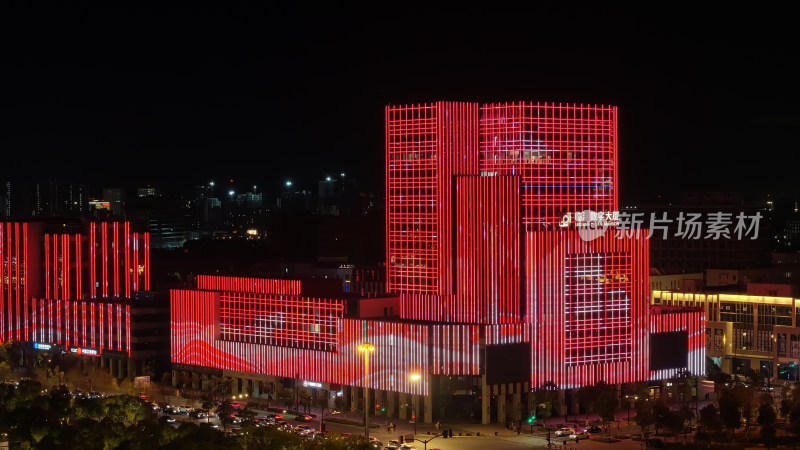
[(532, 419), (379, 407)]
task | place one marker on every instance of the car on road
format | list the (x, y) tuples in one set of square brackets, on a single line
[(563, 432), (578, 435), (392, 445), (593, 429), (198, 414), (166, 419), (303, 418), (407, 447), (275, 417), (303, 430)]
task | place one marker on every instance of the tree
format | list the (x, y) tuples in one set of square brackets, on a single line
[(674, 422), (339, 403), (715, 374), (729, 411), (586, 397), (209, 405), (709, 419), (606, 405), (768, 436), (225, 413), (661, 415), (644, 416), (766, 415), (547, 395), (794, 421)]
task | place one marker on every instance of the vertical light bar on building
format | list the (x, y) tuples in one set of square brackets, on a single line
[(46, 266), (146, 261), (78, 267), (18, 275), (92, 260), (135, 265), (119, 327), (104, 250), (128, 329), (127, 277), (101, 324), (3, 276), (92, 324), (10, 291), (115, 255), (26, 265), (76, 327), (56, 268), (64, 266)]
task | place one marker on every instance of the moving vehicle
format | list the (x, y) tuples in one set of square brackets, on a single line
[(561, 432), (578, 435), (593, 429)]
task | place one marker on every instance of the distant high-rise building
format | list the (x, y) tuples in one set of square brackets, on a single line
[(116, 199), (7, 200), (249, 200), (148, 192)]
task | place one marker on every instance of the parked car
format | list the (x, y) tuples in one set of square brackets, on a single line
[(593, 429), (578, 435), (561, 432), (198, 414), (303, 430)]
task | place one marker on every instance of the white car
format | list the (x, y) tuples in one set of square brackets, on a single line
[(563, 432), (578, 435), (303, 430)]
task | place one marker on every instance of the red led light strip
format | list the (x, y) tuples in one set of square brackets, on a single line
[(456, 349), (678, 319), (81, 323), (287, 321), (566, 155), (399, 349), (558, 310), (426, 145), (245, 284)]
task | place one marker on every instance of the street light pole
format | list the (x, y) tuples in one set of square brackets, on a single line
[(366, 349), (415, 377)]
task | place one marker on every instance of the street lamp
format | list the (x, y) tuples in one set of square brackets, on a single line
[(415, 377), (366, 349), (629, 397)]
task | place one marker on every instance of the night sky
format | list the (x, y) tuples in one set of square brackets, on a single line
[(708, 98)]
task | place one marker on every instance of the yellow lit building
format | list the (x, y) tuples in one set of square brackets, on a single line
[(746, 331)]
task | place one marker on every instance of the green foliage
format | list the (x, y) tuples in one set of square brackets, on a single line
[(606, 404), (766, 415), (545, 399), (644, 415), (768, 436), (729, 410)]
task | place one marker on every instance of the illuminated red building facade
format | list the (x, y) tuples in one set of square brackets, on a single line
[(76, 288), (20, 253), (484, 272)]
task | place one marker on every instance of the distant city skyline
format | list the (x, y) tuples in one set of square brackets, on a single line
[(706, 102)]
